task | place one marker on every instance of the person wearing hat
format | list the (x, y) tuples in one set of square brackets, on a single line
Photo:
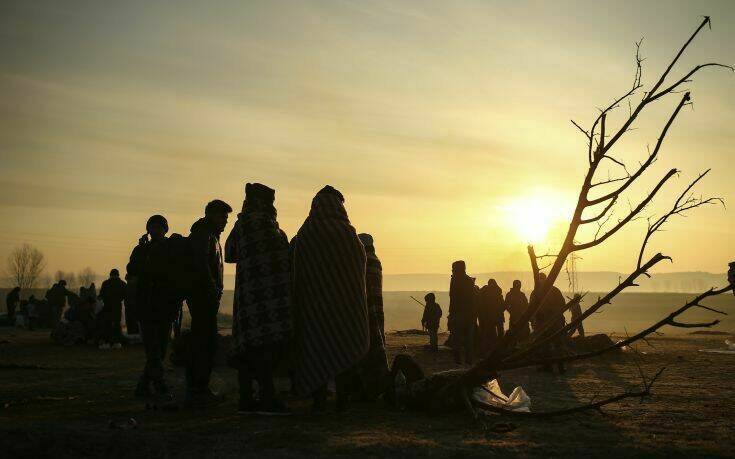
[(261, 312), (112, 294), (155, 305)]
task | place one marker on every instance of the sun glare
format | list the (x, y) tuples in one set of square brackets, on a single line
[(532, 218)]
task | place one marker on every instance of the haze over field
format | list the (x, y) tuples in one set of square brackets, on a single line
[(446, 126)]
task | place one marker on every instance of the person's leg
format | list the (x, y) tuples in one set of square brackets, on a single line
[(469, 343), (320, 400), (247, 403), (433, 339), (202, 344), (153, 368)]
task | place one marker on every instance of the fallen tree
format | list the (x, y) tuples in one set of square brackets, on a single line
[(597, 203)]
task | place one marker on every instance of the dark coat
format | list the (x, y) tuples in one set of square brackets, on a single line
[(516, 304), (552, 311), (113, 291), (432, 316), (491, 306), (462, 300), (208, 258), (154, 297)]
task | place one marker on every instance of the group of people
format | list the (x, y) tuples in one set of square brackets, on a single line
[(476, 318), (312, 304)]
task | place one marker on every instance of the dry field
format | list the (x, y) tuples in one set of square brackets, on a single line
[(59, 402)]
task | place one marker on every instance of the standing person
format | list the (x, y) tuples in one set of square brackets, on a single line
[(204, 301), (462, 312), (374, 369), (516, 304), (112, 294), (490, 315), (330, 302), (576, 310), (261, 313), (550, 320), (430, 320), (155, 303), (11, 303), (56, 297)]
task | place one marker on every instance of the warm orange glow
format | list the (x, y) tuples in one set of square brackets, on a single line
[(531, 218)]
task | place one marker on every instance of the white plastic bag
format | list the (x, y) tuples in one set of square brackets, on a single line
[(491, 394)]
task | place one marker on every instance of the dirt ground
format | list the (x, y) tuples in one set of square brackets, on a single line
[(57, 401)]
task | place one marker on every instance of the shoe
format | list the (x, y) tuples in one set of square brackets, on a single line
[(247, 406), (117, 346), (277, 408)]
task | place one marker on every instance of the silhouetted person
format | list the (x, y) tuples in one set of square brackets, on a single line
[(462, 312), (112, 294), (56, 297), (550, 319), (330, 302), (261, 313), (430, 320), (204, 301), (576, 311), (373, 369), (516, 304), (490, 314), (12, 300), (155, 304)]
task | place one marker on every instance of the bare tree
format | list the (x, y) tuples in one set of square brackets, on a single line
[(597, 203), (25, 266), (86, 276)]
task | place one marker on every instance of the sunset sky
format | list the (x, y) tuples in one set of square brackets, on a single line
[(445, 124)]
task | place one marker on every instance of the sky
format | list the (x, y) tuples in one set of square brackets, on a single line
[(446, 125)]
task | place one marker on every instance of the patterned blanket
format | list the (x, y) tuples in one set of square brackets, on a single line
[(330, 304), (261, 309)]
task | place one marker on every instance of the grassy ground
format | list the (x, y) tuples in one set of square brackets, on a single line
[(59, 402)]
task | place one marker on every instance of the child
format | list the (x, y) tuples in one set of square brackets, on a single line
[(430, 320)]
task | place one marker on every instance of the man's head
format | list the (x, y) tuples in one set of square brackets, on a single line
[(429, 298), (62, 282), (459, 267), (517, 284), (157, 226), (491, 282), (217, 212), (114, 273), (542, 277)]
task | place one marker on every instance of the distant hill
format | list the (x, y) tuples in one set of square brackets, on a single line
[(591, 281)]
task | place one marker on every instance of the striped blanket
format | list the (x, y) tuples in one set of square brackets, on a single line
[(330, 304), (261, 309)]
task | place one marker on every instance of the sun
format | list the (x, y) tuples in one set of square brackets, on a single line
[(532, 218)]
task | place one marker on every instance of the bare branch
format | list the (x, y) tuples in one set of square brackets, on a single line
[(630, 216), (683, 203)]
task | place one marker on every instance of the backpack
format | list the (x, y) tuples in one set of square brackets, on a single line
[(175, 264)]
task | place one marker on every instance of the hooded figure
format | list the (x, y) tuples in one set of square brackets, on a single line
[(261, 311), (330, 302), (490, 315), (374, 368), (516, 304)]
